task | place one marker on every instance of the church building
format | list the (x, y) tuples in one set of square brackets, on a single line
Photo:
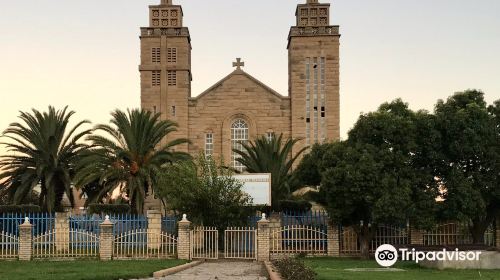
[(239, 107)]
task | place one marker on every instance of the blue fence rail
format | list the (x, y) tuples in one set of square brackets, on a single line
[(306, 218), (169, 224), (42, 222)]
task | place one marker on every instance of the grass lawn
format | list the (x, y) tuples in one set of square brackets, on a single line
[(82, 270), (334, 268)]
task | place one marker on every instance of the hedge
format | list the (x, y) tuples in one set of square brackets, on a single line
[(96, 208), (23, 209)]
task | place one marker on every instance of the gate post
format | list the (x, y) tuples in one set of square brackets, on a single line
[(62, 231), (154, 229), (263, 233), (183, 241), (333, 240), (106, 240), (25, 240)]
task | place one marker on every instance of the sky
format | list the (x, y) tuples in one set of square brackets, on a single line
[(85, 54)]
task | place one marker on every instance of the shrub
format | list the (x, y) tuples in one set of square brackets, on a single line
[(294, 269), (294, 205), (96, 208), (23, 209)]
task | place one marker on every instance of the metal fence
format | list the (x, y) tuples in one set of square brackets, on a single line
[(240, 243), (456, 234), (307, 218), (204, 243), (169, 224), (141, 244), (65, 244), (349, 243), (42, 222), (9, 245), (299, 239), (124, 223)]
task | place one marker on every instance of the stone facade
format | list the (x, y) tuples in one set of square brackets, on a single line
[(310, 111)]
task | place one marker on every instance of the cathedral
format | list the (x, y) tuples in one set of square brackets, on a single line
[(239, 107)]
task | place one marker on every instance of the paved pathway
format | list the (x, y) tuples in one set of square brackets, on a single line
[(222, 270)]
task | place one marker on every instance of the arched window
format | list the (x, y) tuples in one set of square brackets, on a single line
[(239, 135)]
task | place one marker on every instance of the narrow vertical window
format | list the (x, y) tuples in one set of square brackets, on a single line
[(239, 136), (323, 98), (173, 111), (315, 98), (308, 101), (209, 144), (172, 55), (156, 78), (172, 78), (155, 55), (154, 109)]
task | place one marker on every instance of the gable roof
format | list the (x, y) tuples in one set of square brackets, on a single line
[(239, 72)]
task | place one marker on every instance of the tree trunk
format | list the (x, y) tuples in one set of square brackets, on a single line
[(478, 228), (365, 235)]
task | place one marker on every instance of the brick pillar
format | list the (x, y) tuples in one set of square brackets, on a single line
[(333, 240), (106, 240), (25, 240), (416, 236), (497, 233), (62, 231), (183, 240), (263, 240), (154, 229)]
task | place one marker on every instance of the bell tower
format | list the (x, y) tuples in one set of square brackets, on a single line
[(166, 66), (313, 66)]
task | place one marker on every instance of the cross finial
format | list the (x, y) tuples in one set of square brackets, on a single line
[(238, 64)]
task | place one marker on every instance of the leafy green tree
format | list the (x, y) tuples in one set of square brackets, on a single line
[(273, 156), (469, 169), (42, 152), (130, 158), (205, 191), (308, 172), (375, 176)]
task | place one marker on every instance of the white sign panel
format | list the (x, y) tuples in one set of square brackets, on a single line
[(258, 186)]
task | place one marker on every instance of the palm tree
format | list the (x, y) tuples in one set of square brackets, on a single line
[(42, 152), (131, 158), (273, 156)]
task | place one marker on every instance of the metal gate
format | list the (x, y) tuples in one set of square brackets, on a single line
[(204, 243), (240, 243)]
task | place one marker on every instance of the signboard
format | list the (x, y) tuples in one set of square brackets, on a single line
[(258, 186)]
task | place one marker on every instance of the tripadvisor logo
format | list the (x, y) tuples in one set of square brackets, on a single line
[(387, 255)]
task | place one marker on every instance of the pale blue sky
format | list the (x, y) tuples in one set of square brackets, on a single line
[(85, 53)]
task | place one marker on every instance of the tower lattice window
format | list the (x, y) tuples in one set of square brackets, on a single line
[(156, 78), (239, 136), (172, 78)]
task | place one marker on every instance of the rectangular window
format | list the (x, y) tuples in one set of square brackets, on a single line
[(172, 78), (209, 144), (154, 109), (155, 55), (172, 55), (156, 78), (173, 111)]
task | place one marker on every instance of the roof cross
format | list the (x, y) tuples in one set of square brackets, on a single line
[(238, 64)]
